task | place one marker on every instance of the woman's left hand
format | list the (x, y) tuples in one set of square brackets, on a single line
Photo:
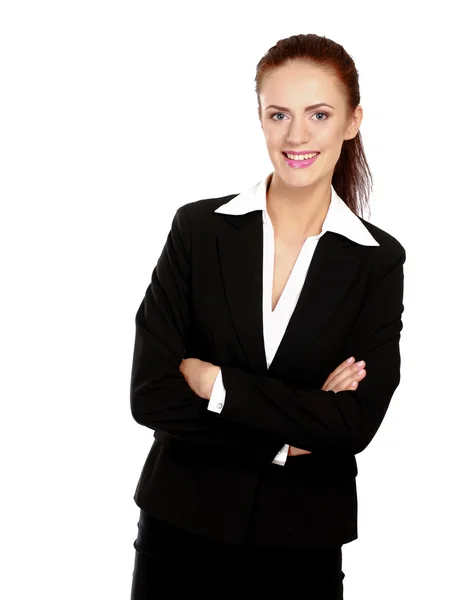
[(200, 375)]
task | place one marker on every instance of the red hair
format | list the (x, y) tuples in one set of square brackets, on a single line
[(352, 178)]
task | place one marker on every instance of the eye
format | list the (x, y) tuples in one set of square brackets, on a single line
[(318, 113)]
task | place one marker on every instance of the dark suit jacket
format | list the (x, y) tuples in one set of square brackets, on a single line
[(212, 473)]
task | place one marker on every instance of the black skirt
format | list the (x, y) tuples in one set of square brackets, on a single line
[(174, 562)]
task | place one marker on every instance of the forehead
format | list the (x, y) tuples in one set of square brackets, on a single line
[(299, 82)]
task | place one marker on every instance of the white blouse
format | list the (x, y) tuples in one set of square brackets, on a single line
[(339, 219)]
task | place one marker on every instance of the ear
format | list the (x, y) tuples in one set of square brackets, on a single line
[(355, 124), (259, 117)]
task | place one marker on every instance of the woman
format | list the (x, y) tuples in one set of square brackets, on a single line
[(264, 313)]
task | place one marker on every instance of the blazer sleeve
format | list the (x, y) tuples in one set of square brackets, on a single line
[(329, 422), (160, 397)]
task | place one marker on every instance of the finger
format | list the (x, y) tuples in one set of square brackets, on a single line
[(351, 381), (343, 380), (338, 373), (342, 366), (344, 373)]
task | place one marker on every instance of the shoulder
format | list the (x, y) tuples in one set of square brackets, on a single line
[(389, 248), (388, 257), (201, 209), (199, 216), (196, 220)]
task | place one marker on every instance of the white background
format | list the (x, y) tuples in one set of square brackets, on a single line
[(114, 114)]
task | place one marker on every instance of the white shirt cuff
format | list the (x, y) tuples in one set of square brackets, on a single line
[(218, 395), (281, 456), (216, 404)]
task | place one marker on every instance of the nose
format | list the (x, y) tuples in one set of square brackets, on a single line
[(298, 133)]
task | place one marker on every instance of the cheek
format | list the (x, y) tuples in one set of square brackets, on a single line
[(332, 137), (272, 138)]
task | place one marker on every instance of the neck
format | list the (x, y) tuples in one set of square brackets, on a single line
[(296, 213)]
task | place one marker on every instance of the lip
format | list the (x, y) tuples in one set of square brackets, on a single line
[(301, 163), (298, 153)]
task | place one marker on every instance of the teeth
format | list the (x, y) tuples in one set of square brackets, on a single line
[(301, 156)]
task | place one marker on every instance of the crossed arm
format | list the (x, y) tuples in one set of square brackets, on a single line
[(205, 379), (261, 413)]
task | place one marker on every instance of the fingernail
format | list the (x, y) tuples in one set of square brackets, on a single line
[(350, 360), (359, 364)]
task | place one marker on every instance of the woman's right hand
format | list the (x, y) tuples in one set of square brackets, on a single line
[(345, 377)]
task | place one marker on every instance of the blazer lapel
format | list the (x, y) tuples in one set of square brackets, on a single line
[(241, 259), (330, 275)]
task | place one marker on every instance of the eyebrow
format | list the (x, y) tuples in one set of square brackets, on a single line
[(306, 109)]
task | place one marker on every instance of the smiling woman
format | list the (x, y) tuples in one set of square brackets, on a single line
[(285, 81), (267, 352)]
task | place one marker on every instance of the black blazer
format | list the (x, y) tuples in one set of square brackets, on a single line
[(213, 473)]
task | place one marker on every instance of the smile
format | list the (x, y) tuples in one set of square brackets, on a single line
[(300, 163)]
